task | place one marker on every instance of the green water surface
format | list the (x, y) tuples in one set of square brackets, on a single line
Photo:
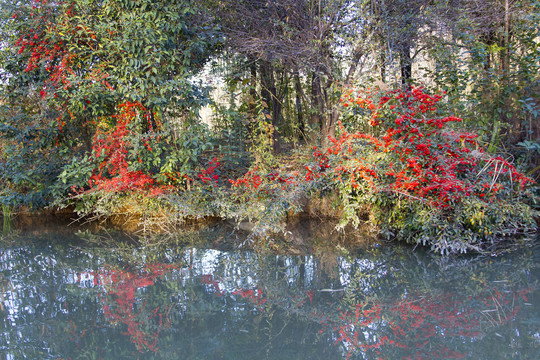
[(62, 298)]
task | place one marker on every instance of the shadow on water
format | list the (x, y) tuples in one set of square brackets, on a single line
[(62, 297)]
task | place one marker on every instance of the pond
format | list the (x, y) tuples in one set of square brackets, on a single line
[(62, 298)]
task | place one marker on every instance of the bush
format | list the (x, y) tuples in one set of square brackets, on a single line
[(428, 182)]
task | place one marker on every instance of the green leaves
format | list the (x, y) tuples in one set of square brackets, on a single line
[(84, 58)]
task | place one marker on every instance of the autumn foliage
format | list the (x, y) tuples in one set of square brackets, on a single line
[(119, 119), (426, 173), (425, 158)]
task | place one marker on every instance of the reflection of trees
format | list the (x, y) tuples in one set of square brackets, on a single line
[(424, 326), (393, 306), (27, 299), (455, 309), (196, 303), (120, 305)]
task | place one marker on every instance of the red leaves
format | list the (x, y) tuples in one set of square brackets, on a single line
[(249, 180), (37, 40), (111, 148), (437, 166), (126, 180), (255, 296), (207, 175), (419, 322)]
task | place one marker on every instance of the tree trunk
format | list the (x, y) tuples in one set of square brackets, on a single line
[(252, 108), (253, 88), (330, 117), (269, 94), (299, 107), (317, 105), (405, 64), (382, 58), (505, 56)]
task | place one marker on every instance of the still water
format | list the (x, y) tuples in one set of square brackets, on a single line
[(62, 298)]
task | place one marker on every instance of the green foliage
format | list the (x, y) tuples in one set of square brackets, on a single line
[(489, 69), (231, 134), (100, 109), (67, 67), (428, 184), (178, 153), (29, 163)]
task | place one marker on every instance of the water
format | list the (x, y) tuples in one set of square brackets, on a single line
[(61, 298)]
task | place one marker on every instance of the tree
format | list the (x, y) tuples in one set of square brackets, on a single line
[(488, 62), (301, 41), (82, 61)]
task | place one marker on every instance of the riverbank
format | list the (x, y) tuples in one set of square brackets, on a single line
[(318, 224), (417, 179)]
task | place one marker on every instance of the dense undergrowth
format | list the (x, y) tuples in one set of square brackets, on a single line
[(419, 178), (428, 182), (95, 121)]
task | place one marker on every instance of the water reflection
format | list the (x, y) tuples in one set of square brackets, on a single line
[(59, 301)]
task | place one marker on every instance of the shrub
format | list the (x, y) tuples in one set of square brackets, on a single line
[(428, 182)]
